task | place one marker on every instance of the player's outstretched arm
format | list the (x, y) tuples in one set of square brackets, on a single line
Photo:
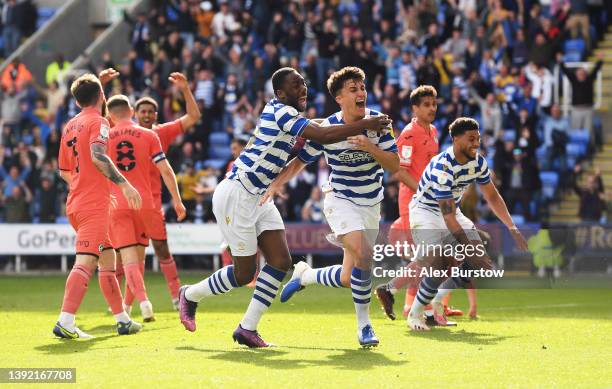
[(448, 209), (275, 189), (336, 133), (498, 206), (192, 116), (387, 159), (169, 178), (105, 165)]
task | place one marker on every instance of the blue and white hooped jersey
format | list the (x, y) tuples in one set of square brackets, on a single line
[(445, 178), (268, 150), (355, 174)]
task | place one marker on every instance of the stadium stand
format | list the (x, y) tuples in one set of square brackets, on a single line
[(229, 49)]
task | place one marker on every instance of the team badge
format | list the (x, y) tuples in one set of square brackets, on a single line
[(471, 170), (436, 139), (228, 220), (101, 248), (406, 152), (104, 131)]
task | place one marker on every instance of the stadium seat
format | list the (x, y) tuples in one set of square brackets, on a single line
[(44, 15), (541, 153), (574, 49), (219, 139), (550, 181), (509, 135), (220, 153), (218, 164), (573, 151), (579, 135), (518, 219)]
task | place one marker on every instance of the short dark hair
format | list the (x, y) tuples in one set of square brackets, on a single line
[(461, 125), (422, 91), (118, 102), (86, 90), (146, 100), (278, 78), (242, 142), (336, 81)]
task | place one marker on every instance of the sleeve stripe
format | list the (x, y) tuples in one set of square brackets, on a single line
[(158, 157)]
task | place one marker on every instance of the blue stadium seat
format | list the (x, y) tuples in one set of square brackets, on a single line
[(550, 181), (62, 220), (219, 139), (574, 151), (541, 153), (518, 219), (574, 48), (509, 135), (215, 163), (579, 135), (220, 153), (44, 14), (572, 56)]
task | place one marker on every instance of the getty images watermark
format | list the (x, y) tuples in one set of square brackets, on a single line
[(420, 252)]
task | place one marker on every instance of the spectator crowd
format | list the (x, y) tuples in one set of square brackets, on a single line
[(493, 60)]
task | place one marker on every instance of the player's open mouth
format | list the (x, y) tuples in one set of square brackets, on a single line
[(302, 100), (360, 103)]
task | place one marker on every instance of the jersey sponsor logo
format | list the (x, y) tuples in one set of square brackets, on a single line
[(352, 156)]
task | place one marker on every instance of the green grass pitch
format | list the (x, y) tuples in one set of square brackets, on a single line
[(523, 339)]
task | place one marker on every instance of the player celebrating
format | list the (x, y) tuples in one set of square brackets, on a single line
[(244, 223), (435, 217), (146, 116), (132, 148), (353, 196), (88, 170)]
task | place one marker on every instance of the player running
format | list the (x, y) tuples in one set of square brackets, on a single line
[(435, 217), (245, 224), (146, 115), (86, 167), (352, 197), (133, 148)]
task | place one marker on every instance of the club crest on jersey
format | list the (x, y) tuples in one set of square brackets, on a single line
[(436, 139), (471, 170), (104, 131), (352, 156), (101, 248), (371, 133)]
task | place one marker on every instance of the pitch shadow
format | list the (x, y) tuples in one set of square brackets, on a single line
[(461, 336), (276, 358), (69, 346)]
